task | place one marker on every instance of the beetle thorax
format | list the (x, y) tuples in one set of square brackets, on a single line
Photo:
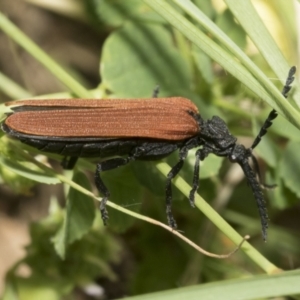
[(238, 153), (215, 132)]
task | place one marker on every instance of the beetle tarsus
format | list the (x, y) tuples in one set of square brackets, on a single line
[(258, 195), (273, 114), (103, 189), (171, 221), (103, 210), (291, 77)]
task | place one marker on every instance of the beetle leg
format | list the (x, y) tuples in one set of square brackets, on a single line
[(155, 92), (174, 171), (109, 165), (69, 163), (201, 154), (195, 178), (258, 195), (105, 166)]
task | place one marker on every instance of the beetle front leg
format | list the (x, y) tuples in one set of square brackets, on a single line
[(174, 171)]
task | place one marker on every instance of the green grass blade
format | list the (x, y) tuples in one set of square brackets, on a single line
[(258, 287), (254, 79), (249, 19), (21, 39), (185, 188), (12, 89)]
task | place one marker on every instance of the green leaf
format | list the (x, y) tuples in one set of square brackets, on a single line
[(228, 24), (209, 167), (12, 89), (264, 286), (266, 148), (116, 12), (147, 175), (290, 167), (135, 59), (38, 288), (28, 170), (125, 191), (207, 7), (10, 292), (204, 64), (80, 214), (282, 196), (284, 128)]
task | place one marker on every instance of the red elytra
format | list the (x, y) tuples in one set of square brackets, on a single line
[(157, 118)]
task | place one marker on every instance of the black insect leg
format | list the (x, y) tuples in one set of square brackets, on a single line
[(201, 154), (273, 114), (105, 166), (258, 195), (155, 92), (174, 171), (69, 163), (257, 171), (268, 122)]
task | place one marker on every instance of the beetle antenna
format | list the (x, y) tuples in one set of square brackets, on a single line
[(273, 114), (258, 195)]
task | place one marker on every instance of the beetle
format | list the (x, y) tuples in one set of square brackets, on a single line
[(144, 129)]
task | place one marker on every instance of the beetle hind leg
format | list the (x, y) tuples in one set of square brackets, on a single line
[(68, 163), (105, 166)]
